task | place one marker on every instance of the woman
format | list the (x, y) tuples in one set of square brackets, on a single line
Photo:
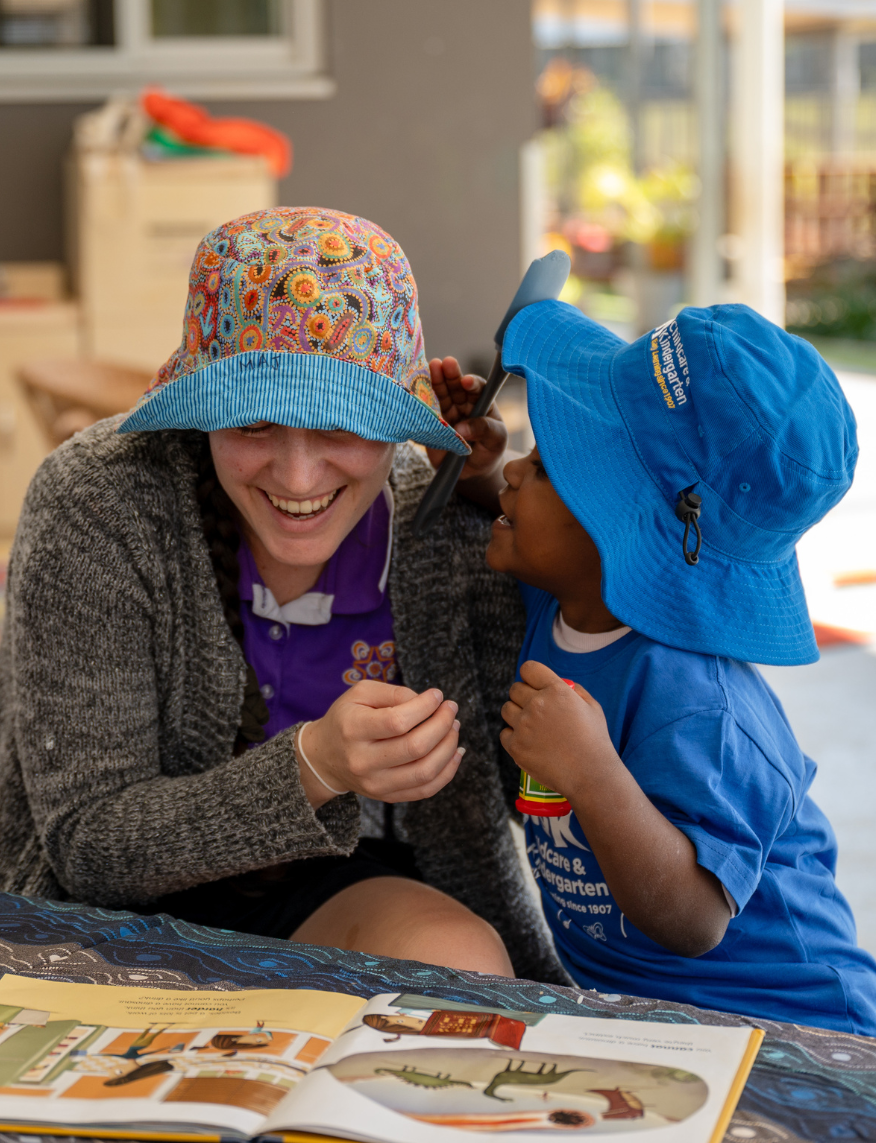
[(208, 610)]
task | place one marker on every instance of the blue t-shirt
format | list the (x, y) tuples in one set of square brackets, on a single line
[(709, 743)]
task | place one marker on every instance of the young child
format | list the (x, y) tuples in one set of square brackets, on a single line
[(693, 867)]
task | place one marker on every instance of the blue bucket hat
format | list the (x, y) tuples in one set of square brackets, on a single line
[(720, 403)]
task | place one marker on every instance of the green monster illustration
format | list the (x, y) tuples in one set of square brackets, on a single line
[(410, 1075), (520, 1078)]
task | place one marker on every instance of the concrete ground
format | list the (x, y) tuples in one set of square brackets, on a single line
[(832, 708)]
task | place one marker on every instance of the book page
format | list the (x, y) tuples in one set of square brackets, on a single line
[(95, 1054), (413, 1067)]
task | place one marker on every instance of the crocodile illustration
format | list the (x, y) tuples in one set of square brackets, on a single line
[(518, 1077), (410, 1075)]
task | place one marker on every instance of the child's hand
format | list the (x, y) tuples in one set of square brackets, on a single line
[(488, 437), (650, 866), (556, 734), (383, 741)]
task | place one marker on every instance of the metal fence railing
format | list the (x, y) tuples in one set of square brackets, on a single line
[(830, 212)]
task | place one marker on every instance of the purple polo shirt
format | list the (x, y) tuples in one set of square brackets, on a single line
[(307, 652)]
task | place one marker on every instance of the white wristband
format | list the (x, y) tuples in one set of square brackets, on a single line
[(312, 768)]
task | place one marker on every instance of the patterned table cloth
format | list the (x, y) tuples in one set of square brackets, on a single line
[(807, 1085)]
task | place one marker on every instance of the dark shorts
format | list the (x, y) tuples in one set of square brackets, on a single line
[(274, 906)]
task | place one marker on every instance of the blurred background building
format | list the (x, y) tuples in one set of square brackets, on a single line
[(668, 128), (681, 151), (411, 114)]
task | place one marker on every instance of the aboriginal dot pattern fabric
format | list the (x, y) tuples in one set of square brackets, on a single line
[(289, 304), (806, 1083)]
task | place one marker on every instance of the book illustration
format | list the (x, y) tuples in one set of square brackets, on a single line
[(250, 1067), (543, 1076), (499, 1030), (236, 1066), (465, 1088), (408, 1074), (562, 1118)]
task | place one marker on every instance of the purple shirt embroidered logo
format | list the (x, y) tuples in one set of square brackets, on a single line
[(307, 652)]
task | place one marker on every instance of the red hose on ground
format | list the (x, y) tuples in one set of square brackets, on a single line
[(195, 125)]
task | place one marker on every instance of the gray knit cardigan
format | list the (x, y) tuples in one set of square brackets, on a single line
[(121, 688)]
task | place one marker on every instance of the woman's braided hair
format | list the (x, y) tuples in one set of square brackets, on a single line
[(223, 540)]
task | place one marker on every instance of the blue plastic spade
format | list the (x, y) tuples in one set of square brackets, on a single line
[(543, 280)]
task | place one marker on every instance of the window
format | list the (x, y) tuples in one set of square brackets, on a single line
[(55, 23), (216, 18), (222, 49)]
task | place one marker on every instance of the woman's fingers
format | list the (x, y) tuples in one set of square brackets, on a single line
[(420, 793), (386, 742), (417, 743), (371, 693), (424, 777), (397, 721)]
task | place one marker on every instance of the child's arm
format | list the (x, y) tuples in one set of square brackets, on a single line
[(562, 740), (457, 393)]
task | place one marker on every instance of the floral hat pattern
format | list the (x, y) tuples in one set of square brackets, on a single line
[(300, 316)]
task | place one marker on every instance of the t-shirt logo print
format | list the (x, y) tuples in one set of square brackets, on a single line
[(369, 662)]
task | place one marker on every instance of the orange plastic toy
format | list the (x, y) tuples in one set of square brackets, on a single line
[(194, 125)]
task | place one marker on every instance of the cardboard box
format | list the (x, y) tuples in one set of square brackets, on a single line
[(32, 281), (135, 227), (28, 330)]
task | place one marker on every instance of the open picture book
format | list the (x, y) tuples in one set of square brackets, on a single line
[(151, 1063)]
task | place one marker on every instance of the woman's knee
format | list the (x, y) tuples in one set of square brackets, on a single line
[(471, 943), (449, 934), (394, 917)]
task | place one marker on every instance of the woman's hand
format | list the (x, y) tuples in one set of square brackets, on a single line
[(383, 741), (457, 393)]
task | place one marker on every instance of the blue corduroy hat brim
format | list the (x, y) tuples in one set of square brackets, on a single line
[(754, 612), (302, 390)]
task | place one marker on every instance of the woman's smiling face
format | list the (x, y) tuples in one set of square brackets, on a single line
[(299, 492)]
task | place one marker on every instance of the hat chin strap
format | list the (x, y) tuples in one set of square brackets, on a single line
[(688, 509)]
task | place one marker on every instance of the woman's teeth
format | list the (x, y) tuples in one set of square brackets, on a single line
[(301, 509)]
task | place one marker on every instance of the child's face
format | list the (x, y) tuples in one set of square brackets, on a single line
[(538, 540)]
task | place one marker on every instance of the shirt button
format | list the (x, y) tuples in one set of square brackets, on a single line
[(276, 632), (267, 691)]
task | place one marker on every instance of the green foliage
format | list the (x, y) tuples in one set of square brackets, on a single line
[(600, 128), (598, 303), (589, 170), (837, 300)]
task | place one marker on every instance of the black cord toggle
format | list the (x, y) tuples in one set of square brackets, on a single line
[(688, 510)]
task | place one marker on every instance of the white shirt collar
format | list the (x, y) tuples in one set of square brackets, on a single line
[(314, 608)]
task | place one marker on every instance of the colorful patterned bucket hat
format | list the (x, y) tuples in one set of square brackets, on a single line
[(304, 317)]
